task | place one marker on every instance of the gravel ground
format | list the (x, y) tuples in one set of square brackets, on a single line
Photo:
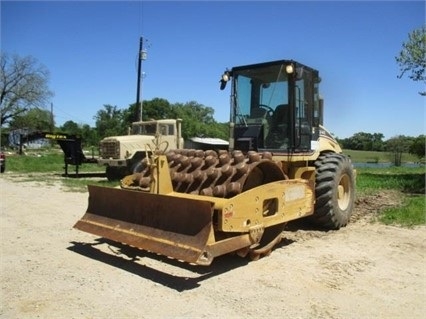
[(50, 270)]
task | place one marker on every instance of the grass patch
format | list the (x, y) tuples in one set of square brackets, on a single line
[(404, 179), (43, 161), (411, 213), (377, 157), (35, 162), (410, 182), (47, 167)]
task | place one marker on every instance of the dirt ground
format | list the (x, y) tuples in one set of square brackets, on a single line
[(50, 270)]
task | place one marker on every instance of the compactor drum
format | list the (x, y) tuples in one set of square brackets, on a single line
[(281, 165)]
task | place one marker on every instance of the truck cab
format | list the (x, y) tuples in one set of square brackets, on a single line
[(121, 154)]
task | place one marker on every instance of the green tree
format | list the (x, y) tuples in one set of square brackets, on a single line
[(396, 146), (89, 135), (109, 122), (130, 115), (198, 120), (70, 127), (417, 147), (23, 86), (377, 142), (364, 142), (412, 57), (34, 119), (360, 141), (156, 109)]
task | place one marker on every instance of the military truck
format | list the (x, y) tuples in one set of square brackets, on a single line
[(123, 154)]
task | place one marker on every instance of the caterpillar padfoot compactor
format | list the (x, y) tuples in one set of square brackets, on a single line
[(281, 165)]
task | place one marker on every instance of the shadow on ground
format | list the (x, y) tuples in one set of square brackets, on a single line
[(129, 259)]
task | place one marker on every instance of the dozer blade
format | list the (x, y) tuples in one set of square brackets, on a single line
[(167, 225)]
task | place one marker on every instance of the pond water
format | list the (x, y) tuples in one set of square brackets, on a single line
[(385, 165)]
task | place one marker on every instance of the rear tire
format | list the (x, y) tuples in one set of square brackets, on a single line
[(334, 191)]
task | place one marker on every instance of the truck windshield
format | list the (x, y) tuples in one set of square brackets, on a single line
[(145, 129), (258, 92), (153, 128)]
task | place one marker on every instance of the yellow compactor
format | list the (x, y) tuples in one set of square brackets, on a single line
[(281, 165)]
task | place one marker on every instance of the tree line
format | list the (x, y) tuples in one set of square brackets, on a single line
[(396, 145)]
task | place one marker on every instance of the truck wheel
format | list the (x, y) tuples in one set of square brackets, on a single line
[(109, 172), (115, 173), (334, 191)]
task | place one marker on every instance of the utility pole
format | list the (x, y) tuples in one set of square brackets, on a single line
[(141, 57)]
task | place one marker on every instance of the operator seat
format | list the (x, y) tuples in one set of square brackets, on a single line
[(280, 116), (260, 116), (278, 133)]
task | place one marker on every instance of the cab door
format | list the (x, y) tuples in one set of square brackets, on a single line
[(303, 112)]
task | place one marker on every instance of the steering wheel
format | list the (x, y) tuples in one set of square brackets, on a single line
[(269, 109)]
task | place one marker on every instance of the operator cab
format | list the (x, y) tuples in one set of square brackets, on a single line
[(275, 107)]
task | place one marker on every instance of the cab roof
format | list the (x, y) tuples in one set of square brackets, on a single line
[(270, 63)]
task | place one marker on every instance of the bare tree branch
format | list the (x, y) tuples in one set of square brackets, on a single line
[(23, 86)]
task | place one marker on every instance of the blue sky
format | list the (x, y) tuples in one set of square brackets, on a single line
[(90, 49)]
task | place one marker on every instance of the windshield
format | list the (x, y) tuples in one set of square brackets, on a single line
[(144, 129), (259, 92), (151, 129)]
